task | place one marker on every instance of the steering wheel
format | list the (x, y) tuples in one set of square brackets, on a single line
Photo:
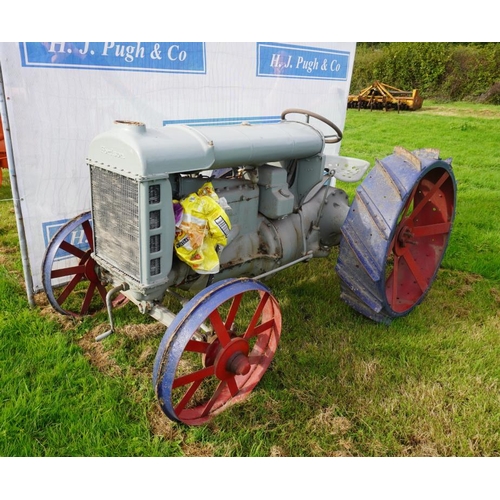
[(329, 139)]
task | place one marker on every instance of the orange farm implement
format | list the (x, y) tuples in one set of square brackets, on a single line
[(383, 96)]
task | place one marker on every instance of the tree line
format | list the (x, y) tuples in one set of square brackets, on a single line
[(440, 70)]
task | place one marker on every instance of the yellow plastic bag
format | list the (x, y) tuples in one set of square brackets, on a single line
[(203, 227)]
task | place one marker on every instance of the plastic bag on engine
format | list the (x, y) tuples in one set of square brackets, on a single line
[(202, 228)]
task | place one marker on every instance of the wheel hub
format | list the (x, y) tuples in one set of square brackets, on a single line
[(90, 268), (238, 364), (404, 237), (230, 360)]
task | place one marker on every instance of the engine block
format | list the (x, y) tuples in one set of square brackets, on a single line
[(272, 177)]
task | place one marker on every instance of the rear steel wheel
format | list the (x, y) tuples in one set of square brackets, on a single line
[(396, 234), (197, 376), (70, 276)]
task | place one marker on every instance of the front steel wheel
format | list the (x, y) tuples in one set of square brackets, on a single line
[(70, 276), (197, 374)]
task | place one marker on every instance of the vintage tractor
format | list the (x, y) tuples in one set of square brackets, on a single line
[(214, 210)]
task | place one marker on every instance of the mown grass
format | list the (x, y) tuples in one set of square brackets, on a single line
[(340, 385)]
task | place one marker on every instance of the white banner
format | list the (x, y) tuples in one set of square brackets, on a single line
[(59, 95)]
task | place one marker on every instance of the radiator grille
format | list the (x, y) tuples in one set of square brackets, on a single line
[(115, 211)]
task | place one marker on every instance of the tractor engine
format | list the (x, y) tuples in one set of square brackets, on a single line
[(273, 178)]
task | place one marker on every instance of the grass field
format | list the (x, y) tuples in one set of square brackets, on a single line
[(340, 385)]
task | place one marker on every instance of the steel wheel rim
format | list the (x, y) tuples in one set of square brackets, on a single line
[(233, 363), (419, 240)]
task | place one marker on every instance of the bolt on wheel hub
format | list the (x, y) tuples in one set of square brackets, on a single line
[(405, 237)]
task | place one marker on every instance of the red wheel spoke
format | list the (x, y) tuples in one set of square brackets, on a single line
[(197, 346), (429, 195), (214, 398), (77, 252), (232, 312), (232, 386), (102, 291), (415, 270), (261, 328), (256, 359), (69, 288), (432, 229), (187, 396), (193, 377), (87, 228), (88, 298), (219, 327), (68, 271), (251, 327)]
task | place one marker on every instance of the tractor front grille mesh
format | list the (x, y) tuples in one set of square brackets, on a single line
[(115, 212)]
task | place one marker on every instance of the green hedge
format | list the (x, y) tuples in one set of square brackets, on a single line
[(441, 70)]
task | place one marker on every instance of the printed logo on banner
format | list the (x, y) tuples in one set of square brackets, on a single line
[(77, 238), (292, 61), (235, 120), (166, 57)]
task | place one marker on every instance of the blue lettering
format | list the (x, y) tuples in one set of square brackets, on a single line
[(166, 57)]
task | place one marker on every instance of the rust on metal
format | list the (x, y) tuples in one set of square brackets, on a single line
[(409, 157)]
